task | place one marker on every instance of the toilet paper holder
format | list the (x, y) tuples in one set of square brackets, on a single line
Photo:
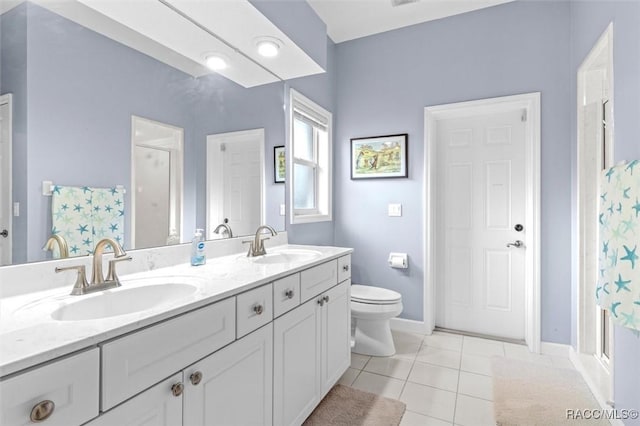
[(398, 260)]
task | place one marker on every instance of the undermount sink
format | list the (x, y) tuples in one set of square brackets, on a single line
[(287, 256), (122, 301)]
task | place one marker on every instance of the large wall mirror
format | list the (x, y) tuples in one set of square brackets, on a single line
[(81, 104)]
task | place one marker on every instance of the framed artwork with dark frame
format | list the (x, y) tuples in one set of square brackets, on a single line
[(379, 157), (279, 164)]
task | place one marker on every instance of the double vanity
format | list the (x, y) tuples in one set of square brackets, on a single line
[(238, 341)]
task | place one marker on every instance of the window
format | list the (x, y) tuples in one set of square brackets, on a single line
[(310, 160)]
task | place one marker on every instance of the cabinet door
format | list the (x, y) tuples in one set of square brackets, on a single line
[(235, 384), (296, 369), (155, 406), (336, 334)]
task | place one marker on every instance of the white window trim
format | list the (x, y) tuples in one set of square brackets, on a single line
[(324, 190)]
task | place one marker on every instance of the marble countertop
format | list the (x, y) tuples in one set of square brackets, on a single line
[(30, 336)]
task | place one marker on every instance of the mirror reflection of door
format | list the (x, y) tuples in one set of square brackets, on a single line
[(156, 183), (5, 180), (235, 181)]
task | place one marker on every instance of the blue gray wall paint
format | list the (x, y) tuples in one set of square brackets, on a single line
[(383, 84), (81, 104), (321, 89), (588, 21), (224, 106), (13, 79)]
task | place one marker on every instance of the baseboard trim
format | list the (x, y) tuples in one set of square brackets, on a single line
[(555, 349), (595, 389), (409, 326)]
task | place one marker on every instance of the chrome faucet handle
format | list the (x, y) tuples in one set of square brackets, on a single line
[(111, 272), (81, 285)]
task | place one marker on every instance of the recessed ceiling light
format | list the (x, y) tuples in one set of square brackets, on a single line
[(216, 61), (268, 46)]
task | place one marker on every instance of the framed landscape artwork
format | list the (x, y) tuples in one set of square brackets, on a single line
[(279, 164), (379, 157)]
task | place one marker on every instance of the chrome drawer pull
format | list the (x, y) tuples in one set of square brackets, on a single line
[(289, 294), (258, 309), (345, 268), (42, 411)]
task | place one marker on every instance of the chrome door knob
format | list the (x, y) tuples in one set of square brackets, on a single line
[(516, 244), (4, 233)]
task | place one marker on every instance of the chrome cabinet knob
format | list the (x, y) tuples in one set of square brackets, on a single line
[(177, 389), (196, 378), (345, 268), (42, 411), (258, 309), (289, 294), (321, 301), (326, 299)]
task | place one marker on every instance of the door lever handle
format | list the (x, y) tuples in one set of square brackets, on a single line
[(516, 244)]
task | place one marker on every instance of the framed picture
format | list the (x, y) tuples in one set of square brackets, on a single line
[(279, 164), (379, 157)]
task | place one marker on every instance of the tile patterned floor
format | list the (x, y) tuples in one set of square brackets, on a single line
[(445, 379)]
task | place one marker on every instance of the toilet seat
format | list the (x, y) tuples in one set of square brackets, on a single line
[(374, 295)]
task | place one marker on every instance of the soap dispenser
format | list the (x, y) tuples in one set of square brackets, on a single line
[(197, 249)]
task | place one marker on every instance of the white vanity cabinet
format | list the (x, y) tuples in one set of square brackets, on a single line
[(311, 347), (156, 406), (234, 385), (137, 361), (265, 356), (64, 392)]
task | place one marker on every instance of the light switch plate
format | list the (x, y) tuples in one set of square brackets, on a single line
[(282, 209), (395, 210), (16, 209)]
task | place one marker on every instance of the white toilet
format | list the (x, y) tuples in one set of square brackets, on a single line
[(371, 310)]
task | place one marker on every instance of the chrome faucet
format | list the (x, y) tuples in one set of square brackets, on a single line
[(257, 244), (226, 227), (63, 247), (98, 281)]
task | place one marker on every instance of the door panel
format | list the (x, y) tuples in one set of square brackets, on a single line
[(480, 184)]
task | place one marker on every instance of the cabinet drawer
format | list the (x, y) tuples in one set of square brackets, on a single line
[(72, 384), (315, 280), (286, 294), (135, 362), (344, 268), (155, 406), (254, 309)]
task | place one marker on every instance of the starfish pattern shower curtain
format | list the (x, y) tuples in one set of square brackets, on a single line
[(618, 287)]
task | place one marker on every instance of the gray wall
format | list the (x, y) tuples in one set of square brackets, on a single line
[(588, 21), (78, 111), (13, 79), (321, 89), (383, 84)]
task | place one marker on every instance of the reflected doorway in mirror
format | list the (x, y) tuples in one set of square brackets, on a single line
[(235, 181), (157, 179)]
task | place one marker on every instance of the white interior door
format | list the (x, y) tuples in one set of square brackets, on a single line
[(480, 185), (5, 180), (235, 180)]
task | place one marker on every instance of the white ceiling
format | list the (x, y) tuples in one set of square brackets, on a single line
[(351, 19), (181, 33)]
